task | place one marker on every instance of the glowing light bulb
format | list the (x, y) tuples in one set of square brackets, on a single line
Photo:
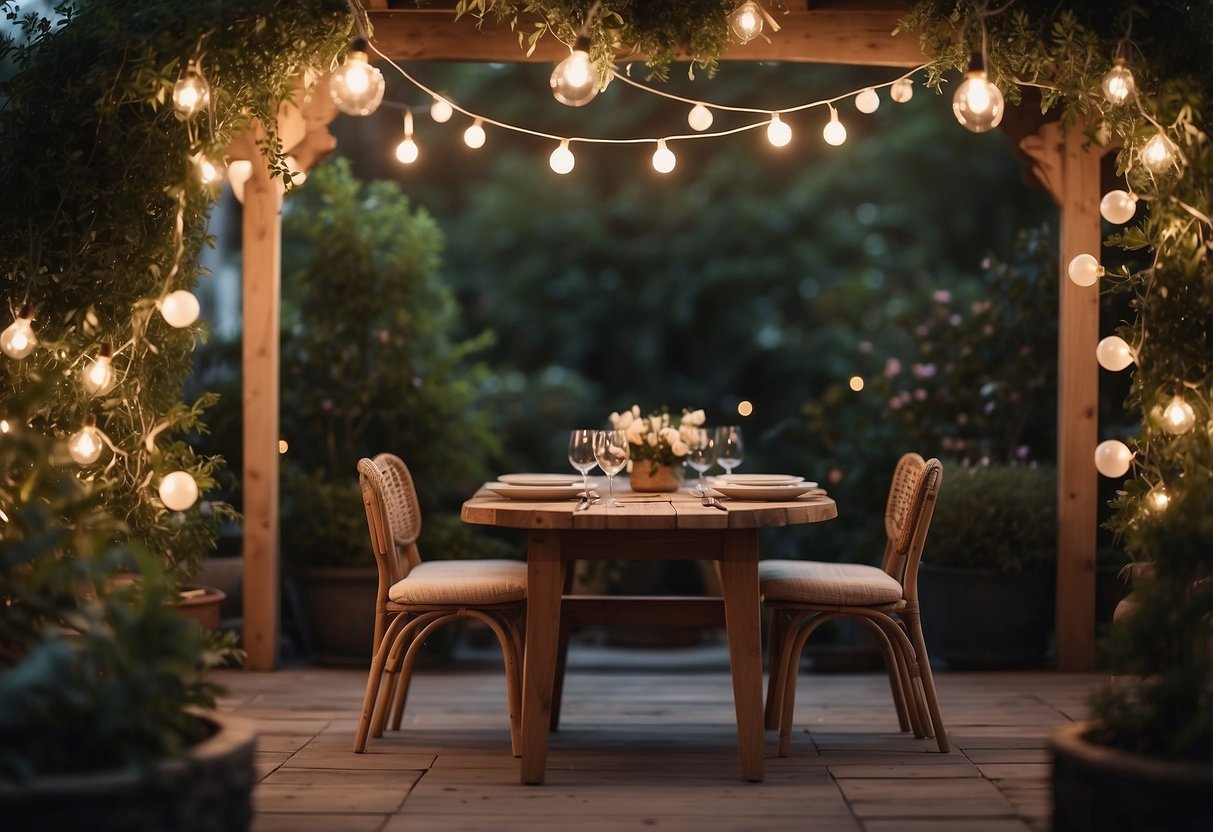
[(441, 110), (1084, 270), (663, 158), (700, 118), (902, 90), (977, 104), (239, 172), (561, 160), (574, 81), (1112, 458), (856, 383), (296, 174), (86, 444), (178, 491), (357, 87), (406, 151), (746, 22), (180, 308), (97, 378), (778, 131), (191, 93), (1178, 417), (1118, 207), (1118, 83), (18, 339), (5, 427), (1113, 353), (867, 101), (834, 133), (1157, 155), (210, 172), (1158, 498), (474, 136)]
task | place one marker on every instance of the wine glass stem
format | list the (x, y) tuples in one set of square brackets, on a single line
[(585, 484), (610, 489)]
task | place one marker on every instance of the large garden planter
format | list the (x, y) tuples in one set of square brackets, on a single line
[(982, 619), (1097, 788), (207, 790)]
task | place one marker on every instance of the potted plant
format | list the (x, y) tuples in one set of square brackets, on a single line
[(658, 445), (988, 571)]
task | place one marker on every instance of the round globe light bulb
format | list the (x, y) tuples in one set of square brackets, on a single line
[(97, 378), (834, 133), (1112, 458), (746, 22), (18, 339), (561, 161), (295, 173), (407, 152), (191, 94), (1118, 83), (1178, 417), (1158, 498), (867, 101), (902, 90), (210, 172), (1157, 155), (441, 110), (1118, 207), (778, 131), (178, 491), (474, 136), (239, 172), (86, 444), (180, 308), (1084, 270), (977, 104), (574, 81), (700, 118), (356, 87), (663, 158), (1114, 353)]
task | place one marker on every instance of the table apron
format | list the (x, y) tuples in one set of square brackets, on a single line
[(648, 544)]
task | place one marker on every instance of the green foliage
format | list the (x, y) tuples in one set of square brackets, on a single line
[(1000, 517), (369, 365)]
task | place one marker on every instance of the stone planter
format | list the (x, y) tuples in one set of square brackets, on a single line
[(647, 476), (209, 788), (1097, 788)]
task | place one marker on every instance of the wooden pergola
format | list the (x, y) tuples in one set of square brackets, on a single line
[(855, 32)]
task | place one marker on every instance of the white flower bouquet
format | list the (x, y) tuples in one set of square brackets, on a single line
[(660, 438)]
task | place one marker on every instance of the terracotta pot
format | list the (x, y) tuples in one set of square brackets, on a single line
[(651, 477), (1097, 787), (201, 604)]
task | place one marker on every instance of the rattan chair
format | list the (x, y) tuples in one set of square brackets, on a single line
[(803, 595), (415, 598)]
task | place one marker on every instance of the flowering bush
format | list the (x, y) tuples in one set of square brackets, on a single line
[(658, 437)]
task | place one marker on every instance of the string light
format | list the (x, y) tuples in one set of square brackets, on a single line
[(834, 133), (1118, 207), (191, 93), (406, 151), (977, 103), (97, 378), (663, 158), (295, 173), (746, 22), (210, 172), (441, 110), (700, 118), (561, 161), (1158, 498), (856, 383), (574, 81), (867, 101), (1112, 458), (5, 427), (1178, 417), (86, 444), (902, 90), (180, 308), (178, 491), (356, 87), (474, 136), (778, 131), (1118, 83), (239, 172), (18, 339), (1084, 270), (1114, 353), (1157, 155)]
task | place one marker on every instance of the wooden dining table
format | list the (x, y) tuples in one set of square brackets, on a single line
[(672, 526)]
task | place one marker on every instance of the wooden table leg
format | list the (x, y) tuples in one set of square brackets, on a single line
[(545, 577), (739, 585)]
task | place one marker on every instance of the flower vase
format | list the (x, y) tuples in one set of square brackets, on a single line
[(651, 476)]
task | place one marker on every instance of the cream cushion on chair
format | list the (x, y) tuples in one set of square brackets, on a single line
[(828, 584), (460, 583)]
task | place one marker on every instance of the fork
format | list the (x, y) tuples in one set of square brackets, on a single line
[(712, 502)]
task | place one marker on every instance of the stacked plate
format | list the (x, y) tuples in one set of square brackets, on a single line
[(764, 487), (538, 486)]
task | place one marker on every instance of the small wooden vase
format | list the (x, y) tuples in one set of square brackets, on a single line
[(651, 477)]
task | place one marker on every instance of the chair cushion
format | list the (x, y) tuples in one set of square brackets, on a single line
[(459, 583), (830, 584)]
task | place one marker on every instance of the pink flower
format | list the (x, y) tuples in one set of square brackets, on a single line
[(865, 347), (923, 370), (941, 296), (920, 395), (892, 367)]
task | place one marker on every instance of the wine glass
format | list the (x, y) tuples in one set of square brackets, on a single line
[(612, 452), (702, 454), (730, 449), (581, 456)]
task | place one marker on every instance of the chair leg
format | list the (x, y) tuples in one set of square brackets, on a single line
[(793, 647), (891, 668), (373, 681), (775, 636), (402, 695), (914, 624)]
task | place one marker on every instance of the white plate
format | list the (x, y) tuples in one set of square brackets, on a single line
[(535, 492), (540, 479), (785, 491), (759, 479)]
